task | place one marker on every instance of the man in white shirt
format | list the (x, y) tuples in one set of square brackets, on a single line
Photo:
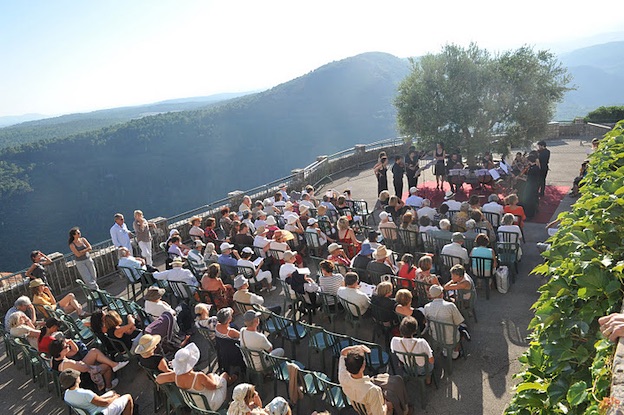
[(177, 273), (455, 248), (414, 200), (450, 201), (154, 305), (261, 241), (244, 261), (128, 261), (443, 311), (494, 206), (243, 295), (305, 201), (120, 234), (110, 403), (358, 387), (251, 339), (426, 210), (351, 292)]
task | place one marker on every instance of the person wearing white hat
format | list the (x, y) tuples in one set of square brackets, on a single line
[(177, 273), (293, 224), (414, 200), (337, 255), (212, 386), (261, 217), (449, 200), (228, 260), (196, 232), (245, 261), (313, 227), (382, 263)]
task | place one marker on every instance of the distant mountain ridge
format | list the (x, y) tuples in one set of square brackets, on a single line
[(172, 162), (67, 125)]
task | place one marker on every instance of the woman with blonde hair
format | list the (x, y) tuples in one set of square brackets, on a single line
[(347, 238), (404, 307), (423, 273), (20, 325), (41, 294)]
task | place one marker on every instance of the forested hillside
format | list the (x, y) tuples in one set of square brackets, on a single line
[(172, 162), (58, 128)]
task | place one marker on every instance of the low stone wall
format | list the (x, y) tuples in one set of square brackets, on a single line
[(576, 130)]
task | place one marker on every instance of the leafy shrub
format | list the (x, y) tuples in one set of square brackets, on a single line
[(606, 114), (567, 368)]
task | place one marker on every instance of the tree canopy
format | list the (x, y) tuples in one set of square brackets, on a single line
[(474, 101), (606, 114)]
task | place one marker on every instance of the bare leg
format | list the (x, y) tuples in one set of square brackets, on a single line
[(129, 409), (107, 373), (96, 356), (69, 304)]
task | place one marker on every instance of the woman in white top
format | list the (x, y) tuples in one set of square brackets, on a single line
[(212, 386), (20, 325)]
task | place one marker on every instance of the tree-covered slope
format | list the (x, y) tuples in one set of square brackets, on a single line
[(172, 162)]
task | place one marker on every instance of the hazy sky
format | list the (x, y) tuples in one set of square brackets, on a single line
[(67, 56)]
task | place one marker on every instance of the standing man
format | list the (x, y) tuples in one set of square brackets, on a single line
[(398, 170), (120, 234), (543, 155)]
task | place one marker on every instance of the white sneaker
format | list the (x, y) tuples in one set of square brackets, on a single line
[(120, 366), (444, 352), (114, 384), (273, 289), (455, 354)]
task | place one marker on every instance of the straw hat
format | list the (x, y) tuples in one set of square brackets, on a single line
[(382, 252), (37, 282), (147, 343)]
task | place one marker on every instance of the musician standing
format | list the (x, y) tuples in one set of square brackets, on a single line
[(543, 155), (398, 170), (411, 167), (440, 166)]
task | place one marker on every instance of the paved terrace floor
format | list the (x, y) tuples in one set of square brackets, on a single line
[(480, 384)]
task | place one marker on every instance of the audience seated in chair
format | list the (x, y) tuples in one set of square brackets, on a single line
[(177, 273), (351, 292), (443, 311), (456, 249), (408, 343), (110, 403), (222, 294)]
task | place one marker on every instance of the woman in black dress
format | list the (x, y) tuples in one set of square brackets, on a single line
[(530, 196), (440, 165), (381, 171)]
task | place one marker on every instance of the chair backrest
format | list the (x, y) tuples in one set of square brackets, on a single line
[(132, 274), (411, 365), (398, 283), (507, 252), (360, 408), (277, 365), (337, 341), (276, 254), (181, 290), (353, 310), (508, 237), (79, 411), (247, 272), (427, 242), (332, 392), (325, 226), (197, 402), (421, 292), (410, 239), (312, 240), (450, 260), (482, 267), (259, 252), (493, 218), (254, 359), (444, 334)]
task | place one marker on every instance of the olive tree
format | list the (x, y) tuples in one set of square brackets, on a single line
[(476, 101)]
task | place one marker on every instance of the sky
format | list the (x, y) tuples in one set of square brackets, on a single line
[(65, 56)]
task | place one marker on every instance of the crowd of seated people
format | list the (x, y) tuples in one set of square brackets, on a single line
[(270, 241)]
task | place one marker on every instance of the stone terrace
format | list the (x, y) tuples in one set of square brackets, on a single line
[(480, 384)]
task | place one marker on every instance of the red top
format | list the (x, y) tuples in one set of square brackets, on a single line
[(407, 273), (517, 211), (44, 344)]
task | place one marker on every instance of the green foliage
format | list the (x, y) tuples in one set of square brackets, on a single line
[(13, 179), (606, 114), (567, 368), (472, 100)]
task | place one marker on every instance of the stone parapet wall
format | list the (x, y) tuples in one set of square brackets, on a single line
[(556, 130)]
